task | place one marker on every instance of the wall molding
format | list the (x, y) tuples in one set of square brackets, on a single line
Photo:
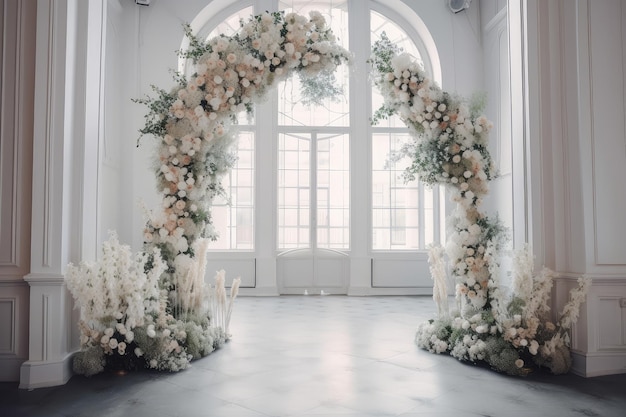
[(12, 318), (496, 20), (598, 364), (37, 374)]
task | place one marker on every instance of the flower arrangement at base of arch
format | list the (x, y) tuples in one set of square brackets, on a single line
[(449, 146), (153, 308)]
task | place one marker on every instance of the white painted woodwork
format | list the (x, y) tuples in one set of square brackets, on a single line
[(17, 61), (575, 79)]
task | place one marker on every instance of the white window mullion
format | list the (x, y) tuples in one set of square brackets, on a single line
[(313, 191), (360, 133), (422, 216)]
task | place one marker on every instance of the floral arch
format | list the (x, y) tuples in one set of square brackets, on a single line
[(154, 309)]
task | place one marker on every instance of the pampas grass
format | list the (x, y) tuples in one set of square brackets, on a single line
[(438, 274), (131, 319)]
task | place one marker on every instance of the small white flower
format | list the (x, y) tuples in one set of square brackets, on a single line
[(113, 343)]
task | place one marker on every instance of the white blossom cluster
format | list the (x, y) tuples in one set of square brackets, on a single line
[(465, 247), (127, 319), (432, 335), (516, 332), (450, 141), (449, 147), (117, 287)]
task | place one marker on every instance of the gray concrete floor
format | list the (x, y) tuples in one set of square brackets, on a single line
[(323, 356)]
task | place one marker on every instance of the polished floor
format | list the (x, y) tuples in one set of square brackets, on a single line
[(324, 356)]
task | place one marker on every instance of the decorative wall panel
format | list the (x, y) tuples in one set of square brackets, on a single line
[(17, 52), (608, 130)]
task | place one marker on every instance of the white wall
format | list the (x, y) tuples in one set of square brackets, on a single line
[(502, 200)]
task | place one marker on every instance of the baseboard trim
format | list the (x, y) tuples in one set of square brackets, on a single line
[(10, 368), (590, 365), (259, 292), (37, 374), (367, 291)]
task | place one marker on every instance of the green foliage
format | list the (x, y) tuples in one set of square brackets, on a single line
[(89, 361), (383, 51), (516, 306), (319, 87), (158, 110), (493, 230), (477, 104), (501, 356), (197, 48)]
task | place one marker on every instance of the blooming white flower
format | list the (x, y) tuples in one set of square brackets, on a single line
[(113, 343)]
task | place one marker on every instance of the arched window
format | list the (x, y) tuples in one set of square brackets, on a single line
[(315, 159)]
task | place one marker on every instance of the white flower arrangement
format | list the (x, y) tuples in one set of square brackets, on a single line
[(449, 147), (128, 321), (153, 309)]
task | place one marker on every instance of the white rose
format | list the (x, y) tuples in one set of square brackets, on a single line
[(113, 343)]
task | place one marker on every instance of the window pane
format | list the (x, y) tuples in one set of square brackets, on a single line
[(395, 205), (235, 222), (293, 191), (333, 192)]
